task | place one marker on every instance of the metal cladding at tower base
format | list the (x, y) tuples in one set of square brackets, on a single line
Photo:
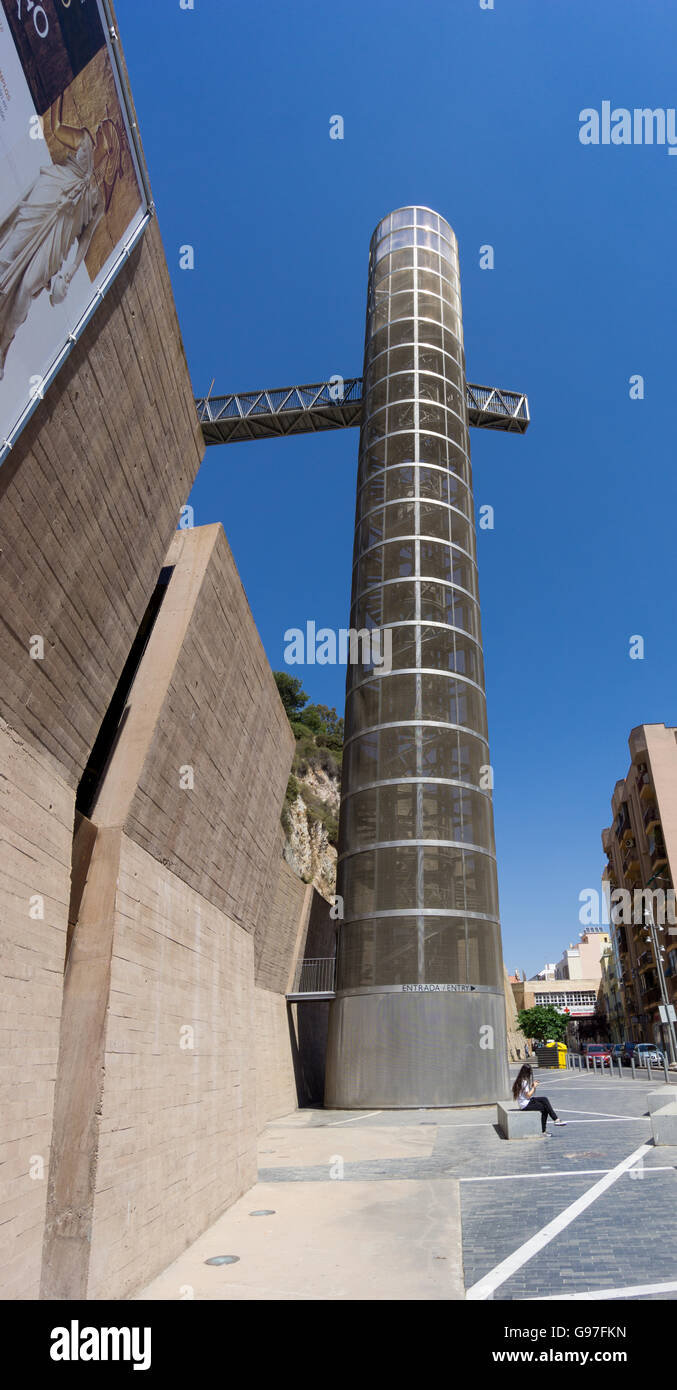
[(419, 1015)]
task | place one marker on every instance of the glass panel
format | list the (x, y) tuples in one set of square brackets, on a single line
[(402, 306), (433, 482), (371, 530), (439, 698), (434, 520), (401, 387), (468, 660), (437, 603), (433, 334), (436, 560), (363, 760), (472, 713), (403, 332), (399, 602), (439, 752), (443, 878), (477, 820), (437, 649), (401, 417), (433, 449), (428, 260), (373, 493), (397, 812), (400, 519), (445, 954), (484, 954), (442, 811), (433, 417), (370, 569), (480, 883), (404, 648), (403, 218), (429, 239), (399, 483), (426, 218), (472, 756), (400, 259), (429, 307), (429, 282), (401, 448), (398, 560), (360, 819), (433, 388), (377, 397), (398, 698), (367, 610), (402, 359), (397, 752)]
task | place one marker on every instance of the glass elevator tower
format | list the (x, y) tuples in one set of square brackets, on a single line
[(419, 1013)]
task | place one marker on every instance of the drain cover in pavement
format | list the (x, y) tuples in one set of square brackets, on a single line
[(223, 1260), (263, 1212)]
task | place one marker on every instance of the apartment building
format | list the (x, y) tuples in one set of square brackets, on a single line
[(641, 850), (583, 960)]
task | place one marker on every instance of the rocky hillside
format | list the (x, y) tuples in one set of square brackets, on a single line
[(311, 809)]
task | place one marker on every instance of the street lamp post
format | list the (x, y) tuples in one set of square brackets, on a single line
[(653, 934)]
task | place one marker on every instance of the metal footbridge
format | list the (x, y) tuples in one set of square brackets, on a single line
[(335, 404)]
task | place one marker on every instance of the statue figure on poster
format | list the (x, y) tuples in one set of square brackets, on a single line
[(63, 207)]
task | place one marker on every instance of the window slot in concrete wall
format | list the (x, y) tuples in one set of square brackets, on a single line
[(106, 739)]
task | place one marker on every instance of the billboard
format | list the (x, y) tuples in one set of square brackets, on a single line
[(72, 190)]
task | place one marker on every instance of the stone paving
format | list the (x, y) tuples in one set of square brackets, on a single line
[(429, 1245)]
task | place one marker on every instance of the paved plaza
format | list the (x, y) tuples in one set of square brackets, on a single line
[(435, 1204)]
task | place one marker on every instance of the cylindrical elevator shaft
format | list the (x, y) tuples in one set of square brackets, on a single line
[(419, 1014)]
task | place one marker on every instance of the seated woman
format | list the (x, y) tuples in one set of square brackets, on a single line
[(523, 1092)]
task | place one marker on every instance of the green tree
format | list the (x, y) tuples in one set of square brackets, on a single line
[(291, 693), (542, 1022)]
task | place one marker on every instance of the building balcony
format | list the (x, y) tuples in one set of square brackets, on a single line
[(657, 853), (631, 861), (645, 786), (651, 817)]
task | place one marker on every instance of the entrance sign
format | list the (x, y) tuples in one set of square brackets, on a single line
[(73, 194)]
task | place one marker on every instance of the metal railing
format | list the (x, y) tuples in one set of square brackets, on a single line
[(317, 975), (335, 404), (576, 1061)]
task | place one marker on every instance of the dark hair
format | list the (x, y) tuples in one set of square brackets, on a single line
[(524, 1077)]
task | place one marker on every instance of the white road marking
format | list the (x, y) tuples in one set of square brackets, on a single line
[(503, 1271), (351, 1121), (633, 1291), (620, 1120), (602, 1114), (564, 1173)]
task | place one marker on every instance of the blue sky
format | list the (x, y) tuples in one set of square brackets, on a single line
[(475, 113)]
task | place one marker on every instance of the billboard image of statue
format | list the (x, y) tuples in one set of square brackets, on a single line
[(70, 190)]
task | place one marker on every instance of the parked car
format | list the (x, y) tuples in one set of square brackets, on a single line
[(648, 1052), (602, 1051), (643, 1053)]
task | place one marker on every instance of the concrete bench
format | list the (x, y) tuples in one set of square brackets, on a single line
[(519, 1124), (657, 1099), (663, 1117)]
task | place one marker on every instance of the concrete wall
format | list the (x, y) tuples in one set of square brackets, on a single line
[(36, 816), (179, 1101), (89, 498), (170, 1057)]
